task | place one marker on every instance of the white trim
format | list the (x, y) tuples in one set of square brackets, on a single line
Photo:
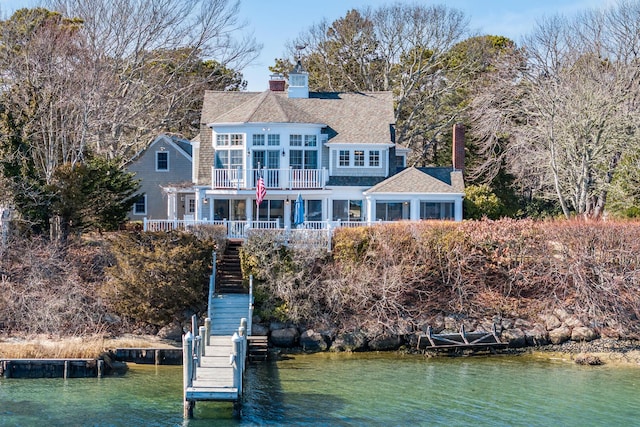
[(133, 208), (168, 161)]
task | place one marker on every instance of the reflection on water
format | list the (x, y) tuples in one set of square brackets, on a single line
[(345, 390)]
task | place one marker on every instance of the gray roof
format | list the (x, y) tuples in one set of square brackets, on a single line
[(422, 180), (350, 117)]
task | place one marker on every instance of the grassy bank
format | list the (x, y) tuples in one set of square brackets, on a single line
[(89, 347)]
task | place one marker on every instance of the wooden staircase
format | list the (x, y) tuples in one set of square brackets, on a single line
[(258, 348), (229, 276)]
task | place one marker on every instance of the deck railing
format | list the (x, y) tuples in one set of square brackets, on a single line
[(281, 179)]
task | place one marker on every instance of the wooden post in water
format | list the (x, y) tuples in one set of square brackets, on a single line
[(237, 358), (187, 371), (249, 327), (100, 368)]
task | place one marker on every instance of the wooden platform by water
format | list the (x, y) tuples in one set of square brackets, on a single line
[(479, 340)]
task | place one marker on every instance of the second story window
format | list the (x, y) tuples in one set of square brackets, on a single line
[(310, 141), (344, 158), (225, 139), (258, 140), (374, 158), (237, 139), (295, 140), (273, 139), (162, 161), (358, 158)]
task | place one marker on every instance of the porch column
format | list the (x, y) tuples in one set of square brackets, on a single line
[(457, 209), (414, 209), (370, 209), (287, 213), (248, 210), (198, 212), (172, 205)]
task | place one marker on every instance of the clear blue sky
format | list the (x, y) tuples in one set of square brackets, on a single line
[(274, 22)]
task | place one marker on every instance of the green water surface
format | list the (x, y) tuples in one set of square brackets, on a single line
[(346, 390)]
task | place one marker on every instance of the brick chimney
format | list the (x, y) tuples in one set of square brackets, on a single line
[(458, 147), (276, 83)]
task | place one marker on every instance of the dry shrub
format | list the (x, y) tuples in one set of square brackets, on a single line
[(51, 289), (395, 277)]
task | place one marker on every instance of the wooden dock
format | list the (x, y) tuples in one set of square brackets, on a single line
[(460, 341), (215, 354)]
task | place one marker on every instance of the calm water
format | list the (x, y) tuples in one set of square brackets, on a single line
[(346, 390)]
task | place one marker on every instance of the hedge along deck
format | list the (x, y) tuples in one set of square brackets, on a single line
[(460, 341), (52, 368)]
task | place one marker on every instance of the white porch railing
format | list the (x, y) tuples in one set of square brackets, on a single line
[(284, 179), (235, 229)]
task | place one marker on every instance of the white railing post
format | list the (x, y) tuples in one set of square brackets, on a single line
[(187, 371), (236, 358), (207, 330), (144, 224), (250, 320), (212, 286)]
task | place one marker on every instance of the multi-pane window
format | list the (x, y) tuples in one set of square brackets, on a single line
[(229, 159), (347, 210), (224, 139), (140, 205), (436, 210), (374, 158), (343, 158), (297, 80), (358, 158), (310, 141), (295, 140), (273, 139), (162, 161), (391, 211), (258, 139)]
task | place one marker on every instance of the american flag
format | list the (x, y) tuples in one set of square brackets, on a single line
[(261, 191)]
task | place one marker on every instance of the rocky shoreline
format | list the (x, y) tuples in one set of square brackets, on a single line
[(558, 333)]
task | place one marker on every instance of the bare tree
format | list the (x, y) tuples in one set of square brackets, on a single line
[(146, 62), (564, 122)]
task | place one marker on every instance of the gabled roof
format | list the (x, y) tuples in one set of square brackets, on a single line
[(183, 146), (349, 117), (422, 180)]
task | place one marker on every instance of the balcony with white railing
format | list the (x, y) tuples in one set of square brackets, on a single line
[(276, 179)]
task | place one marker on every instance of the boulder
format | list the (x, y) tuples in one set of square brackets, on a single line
[(286, 337), (588, 359), (561, 314), (550, 321), (385, 342), (274, 326), (312, 341), (573, 322), (171, 332), (583, 333), (515, 337), (451, 323), (259, 329), (350, 341), (522, 324), (537, 335), (559, 335)]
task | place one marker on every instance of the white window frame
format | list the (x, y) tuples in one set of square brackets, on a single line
[(379, 154), (340, 159), (273, 139), (158, 153), (135, 202), (259, 140), (359, 158)]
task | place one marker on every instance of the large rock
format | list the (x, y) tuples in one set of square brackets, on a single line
[(350, 341), (286, 337), (171, 332), (573, 322), (537, 335), (559, 335), (312, 341), (550, 321), (515, 337), (385, 342), (259, 329), (583, 333)]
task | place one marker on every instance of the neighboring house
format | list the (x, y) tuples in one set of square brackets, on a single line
[(335, 150), (167, 161)]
